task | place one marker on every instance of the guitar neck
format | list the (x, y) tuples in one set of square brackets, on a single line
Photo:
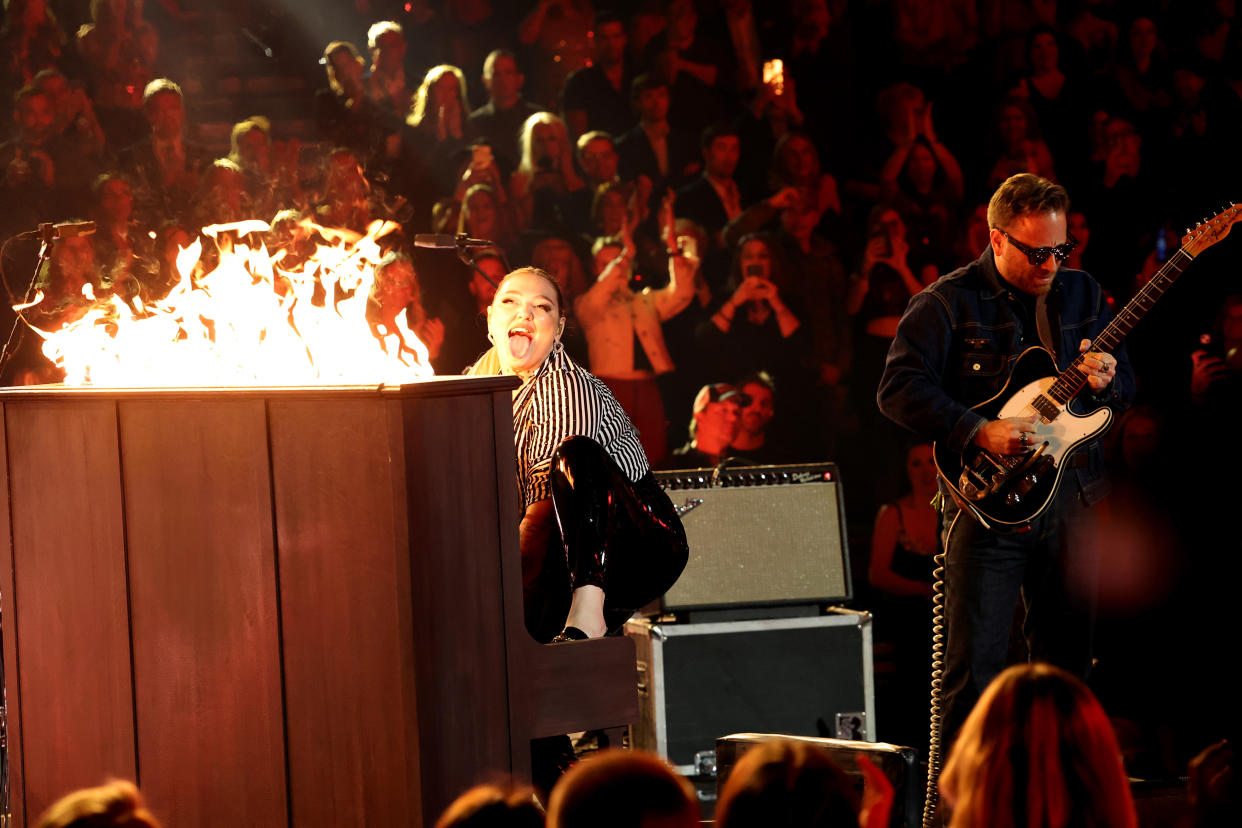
[(1072, 380)]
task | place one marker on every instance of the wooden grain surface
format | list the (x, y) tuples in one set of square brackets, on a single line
[(345, 609), (75, 714), (204, 611)]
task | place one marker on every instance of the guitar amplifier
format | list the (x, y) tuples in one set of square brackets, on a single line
[(760, 536)]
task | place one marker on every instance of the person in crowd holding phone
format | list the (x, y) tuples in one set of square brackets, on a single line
[(889, 276), (953, 349), (545, 175), (754, 329), (622, 322)]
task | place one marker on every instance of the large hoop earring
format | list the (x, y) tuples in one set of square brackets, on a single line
[(558, 347)]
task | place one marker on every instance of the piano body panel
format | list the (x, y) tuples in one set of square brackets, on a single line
[(301, 606)]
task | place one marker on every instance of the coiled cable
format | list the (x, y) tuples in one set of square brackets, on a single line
[(934, 760)]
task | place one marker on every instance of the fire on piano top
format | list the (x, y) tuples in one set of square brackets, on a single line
[(308, 314)]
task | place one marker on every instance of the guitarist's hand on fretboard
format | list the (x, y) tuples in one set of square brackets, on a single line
[(1099, 367), (1006, 436)]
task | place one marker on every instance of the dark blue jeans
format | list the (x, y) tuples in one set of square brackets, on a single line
[(1053, 567)]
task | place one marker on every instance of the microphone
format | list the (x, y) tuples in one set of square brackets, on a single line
[(445, 241), (63, 230)]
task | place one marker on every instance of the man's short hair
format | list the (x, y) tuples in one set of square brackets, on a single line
[(380, 29), (717, 130), (489, 63), (646, 82), (159, 86), (1024, 194)]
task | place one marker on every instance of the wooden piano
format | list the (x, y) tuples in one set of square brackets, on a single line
[(276, 607)]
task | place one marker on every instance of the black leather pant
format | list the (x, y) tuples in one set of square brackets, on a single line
[(624, 537)]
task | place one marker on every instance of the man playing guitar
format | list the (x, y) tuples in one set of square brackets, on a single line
[(955, 348)]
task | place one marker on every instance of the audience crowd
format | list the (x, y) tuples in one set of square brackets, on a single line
[(738, 199), (1037, 751)]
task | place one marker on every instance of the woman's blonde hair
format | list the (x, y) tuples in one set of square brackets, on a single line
[(527, 141), (1038, 751), (489, 363), (117, 804)]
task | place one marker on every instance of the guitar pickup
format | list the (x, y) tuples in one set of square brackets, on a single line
[(1046, 408)]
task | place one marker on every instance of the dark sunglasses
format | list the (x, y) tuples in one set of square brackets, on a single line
[(1038, 255)]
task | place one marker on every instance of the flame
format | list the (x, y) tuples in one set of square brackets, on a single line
[(247, 322)]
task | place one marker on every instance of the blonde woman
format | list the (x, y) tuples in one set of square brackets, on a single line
[(547, 163)]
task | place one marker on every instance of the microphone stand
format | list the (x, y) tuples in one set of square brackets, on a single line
[(466, 257), (46, 234)]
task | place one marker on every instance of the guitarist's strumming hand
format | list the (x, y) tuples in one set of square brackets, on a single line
[(1012, 435), (1100, 368)]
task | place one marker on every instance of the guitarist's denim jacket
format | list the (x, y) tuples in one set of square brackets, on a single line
[(958, 340)]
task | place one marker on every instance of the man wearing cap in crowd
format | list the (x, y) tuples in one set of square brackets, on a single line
[(714, 424)]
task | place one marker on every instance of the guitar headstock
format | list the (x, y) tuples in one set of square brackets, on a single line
[(1211, 230)]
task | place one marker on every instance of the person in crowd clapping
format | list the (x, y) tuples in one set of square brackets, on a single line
[(923, 181), (437, 129)]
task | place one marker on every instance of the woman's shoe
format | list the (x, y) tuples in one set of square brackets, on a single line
[(569, 634)]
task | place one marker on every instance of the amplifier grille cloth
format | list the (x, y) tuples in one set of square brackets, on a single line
[(761, 544)]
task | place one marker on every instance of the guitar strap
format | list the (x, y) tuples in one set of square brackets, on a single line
[(1043, 324)]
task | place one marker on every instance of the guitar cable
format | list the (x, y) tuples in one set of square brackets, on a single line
[(931, 802)]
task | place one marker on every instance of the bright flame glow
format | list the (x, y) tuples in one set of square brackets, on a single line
[(248, 322)]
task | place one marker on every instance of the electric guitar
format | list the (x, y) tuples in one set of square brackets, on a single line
[(1008, 491)]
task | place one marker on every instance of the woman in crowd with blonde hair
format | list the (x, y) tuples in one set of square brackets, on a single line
[(117, 804), (547, 163), (1037, 751)]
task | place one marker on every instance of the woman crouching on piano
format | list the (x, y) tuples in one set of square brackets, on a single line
[(599, 537)]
